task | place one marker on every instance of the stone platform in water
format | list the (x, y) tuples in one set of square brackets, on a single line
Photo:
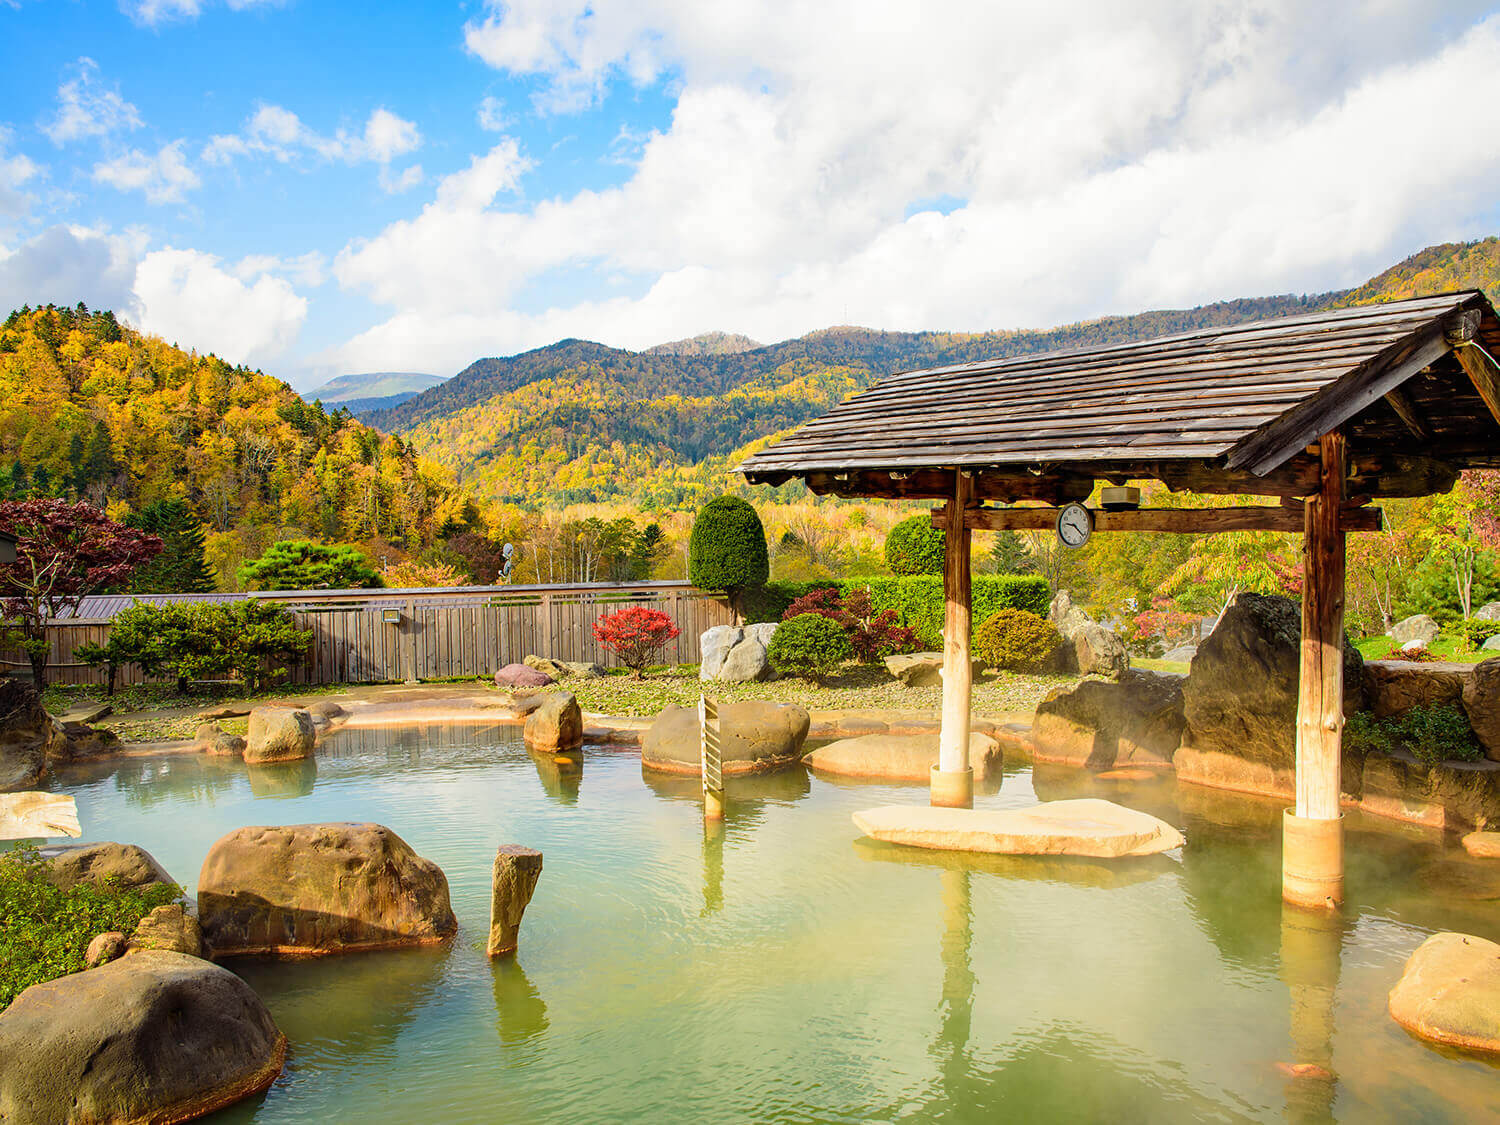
[(1085, 826)]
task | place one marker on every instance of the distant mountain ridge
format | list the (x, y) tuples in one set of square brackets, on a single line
[(373, 390), (579, 421)]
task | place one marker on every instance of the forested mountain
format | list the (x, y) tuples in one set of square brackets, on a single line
[(1437, 269), (373, 390), (578, 421), (93, 409)]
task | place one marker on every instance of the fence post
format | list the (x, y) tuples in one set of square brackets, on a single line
[(411, 640)]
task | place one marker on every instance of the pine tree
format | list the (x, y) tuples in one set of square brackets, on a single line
[(181, 567)]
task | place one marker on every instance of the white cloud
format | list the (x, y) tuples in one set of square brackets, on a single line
[(404, 180), (491, 115), (67, 264), (185, 296), (154, 12), (164, 177), (15, 172), (1094, 158), (86, 108), (310, 269), (276, 131)]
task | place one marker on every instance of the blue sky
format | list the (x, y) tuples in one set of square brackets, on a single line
[(325, 188)]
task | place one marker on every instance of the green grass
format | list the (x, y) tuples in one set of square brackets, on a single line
[(854, 687), (1445, 647), (1149, 665), (58, 698), (45, 931)]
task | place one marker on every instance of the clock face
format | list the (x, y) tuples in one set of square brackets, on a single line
[(1074, 525)]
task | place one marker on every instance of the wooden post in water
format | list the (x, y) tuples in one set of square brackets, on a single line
[(952, 777), (713, 763), (1312, 860)]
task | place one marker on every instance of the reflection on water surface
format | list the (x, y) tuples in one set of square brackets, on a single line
[(781, 968)]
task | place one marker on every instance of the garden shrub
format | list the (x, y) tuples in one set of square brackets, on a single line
[(636, 635), (301, 564), (1433, 733), (810, 646), (1476, 632), (1016, 640), (917, 600), (872, 635), (45, 931), (727, 548), (914, 546)]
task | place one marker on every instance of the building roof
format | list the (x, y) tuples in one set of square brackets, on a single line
[(1234, 406)]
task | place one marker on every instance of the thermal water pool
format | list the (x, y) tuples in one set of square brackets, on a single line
[(786, 970)]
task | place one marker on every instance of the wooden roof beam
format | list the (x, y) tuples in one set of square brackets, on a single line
[(1191, 521), (1482, 372), (1342, 399), (1399, 401)]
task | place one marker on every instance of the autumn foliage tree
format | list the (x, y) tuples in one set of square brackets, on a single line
[(64, 552), (636, 635)]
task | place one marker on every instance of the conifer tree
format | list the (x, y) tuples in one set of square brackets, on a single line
[(181, 567)]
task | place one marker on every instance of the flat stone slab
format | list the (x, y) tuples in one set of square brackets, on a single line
[(1484, 845), (32, 813), (1086, 826), (899, 757), (1450, 992)]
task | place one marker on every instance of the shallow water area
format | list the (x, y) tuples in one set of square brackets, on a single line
[(784, 969)]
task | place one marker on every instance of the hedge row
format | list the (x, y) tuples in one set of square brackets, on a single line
[(917, 600)]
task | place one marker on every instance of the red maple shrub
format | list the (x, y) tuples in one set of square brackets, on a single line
[(636, 635), (872, 635)]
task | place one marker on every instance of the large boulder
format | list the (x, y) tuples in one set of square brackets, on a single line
[(79, 742), (520, 676), (1481, 700), (172, 928), (1097, 724), (27, 734), (1418, 627), (152, 1037), (900, 757), (555, 724), (211, 738), (1088, 648), (1240, 699), (1393, 687), (734, 655), (546, 666), (127, 864), (754, 737), (1490, 611), (279, 734), (1446, 795), (1449, 992), (1097, 652), (319, 888)]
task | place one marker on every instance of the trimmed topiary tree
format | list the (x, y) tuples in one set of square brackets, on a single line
[(301, 564), (810, 646), (1016, 641), (914, 546), (727, 549)]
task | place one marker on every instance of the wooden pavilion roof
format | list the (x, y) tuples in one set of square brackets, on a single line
[(1410, 383)]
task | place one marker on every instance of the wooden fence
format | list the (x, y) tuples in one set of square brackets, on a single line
[(374, 636)]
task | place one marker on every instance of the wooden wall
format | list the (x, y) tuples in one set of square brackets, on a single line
[(439, 634)]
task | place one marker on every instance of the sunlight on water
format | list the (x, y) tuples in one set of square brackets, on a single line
[(787, 970)]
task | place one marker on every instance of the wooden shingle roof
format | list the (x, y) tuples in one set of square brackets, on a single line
[(1240, 401)]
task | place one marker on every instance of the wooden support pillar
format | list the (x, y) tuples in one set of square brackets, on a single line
[(952, 778), (1312, 867)]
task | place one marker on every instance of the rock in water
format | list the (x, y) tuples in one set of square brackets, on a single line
[(1418, 627), (900, 757), (555, 724), (1241, 698), (1085, 826), (1481, 699), (1482, 845), (320, 888), (1137, 721), (1449, 992), (32, 813), (279, 734), (153, 1037), (514, 880), (755, 737), (27, 736), (128, 864), (170, 928)]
